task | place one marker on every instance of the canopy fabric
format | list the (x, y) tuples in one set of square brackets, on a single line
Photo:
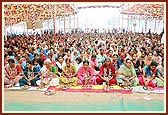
[(101, 6), (15, 13), (154, 11)]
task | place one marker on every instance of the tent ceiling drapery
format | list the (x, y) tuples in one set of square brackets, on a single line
[(101, 6), (154, 11), (15, 13)]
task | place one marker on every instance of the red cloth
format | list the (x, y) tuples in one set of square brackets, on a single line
[(62, 40), (100, 81), (15, 71), (101, 72), (19, 69), (102, 67), (122, 57), (5, 62), (150, 83), (43, 57)]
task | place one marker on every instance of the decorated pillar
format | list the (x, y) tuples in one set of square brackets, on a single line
[(59, 18), (139, 22), (48, 24), (119, 19), (163, 22), (70, 21), (33, 24), (158, 25), (128, 20), (54, 16), (155, 26), (5, 35), (77, 19), (134, 22), (64, 20), (128, 23), (10, 28), (74, 20), (145, 24), (122, 17)]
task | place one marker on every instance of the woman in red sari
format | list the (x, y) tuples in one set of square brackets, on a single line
[(106, 73)]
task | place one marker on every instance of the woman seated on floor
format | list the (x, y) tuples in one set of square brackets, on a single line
[(48, 75), (94, 64), (68, 77), (148, 77), (85, 75), (160, 75), (126, 76), (13, 73), (30, 75), (59, 64), (107, 74)]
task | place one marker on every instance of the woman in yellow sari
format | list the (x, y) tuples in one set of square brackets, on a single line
[(68, 77)]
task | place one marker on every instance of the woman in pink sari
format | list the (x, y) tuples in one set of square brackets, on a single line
[(85, 74), (94, 64), (13, 73), (148, 77)]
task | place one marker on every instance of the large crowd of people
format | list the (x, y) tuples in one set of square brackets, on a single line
[(126, 59)]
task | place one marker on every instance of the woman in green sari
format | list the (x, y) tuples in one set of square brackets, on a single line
[(126, 75), (48, 75)]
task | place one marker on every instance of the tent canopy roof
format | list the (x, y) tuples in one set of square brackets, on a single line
[(149, 10), (15, 13)]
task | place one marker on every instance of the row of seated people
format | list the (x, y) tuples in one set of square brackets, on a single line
[(48, 75)]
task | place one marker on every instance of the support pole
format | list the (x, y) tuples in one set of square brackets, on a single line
[(139, 23), (59, 18), (33, 25), (155, 26), (77, 19), (128, 20), (54, 23), (145, 24), (122, 17), (70, 21), (64, 21), (74, 20), (158, 25)]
